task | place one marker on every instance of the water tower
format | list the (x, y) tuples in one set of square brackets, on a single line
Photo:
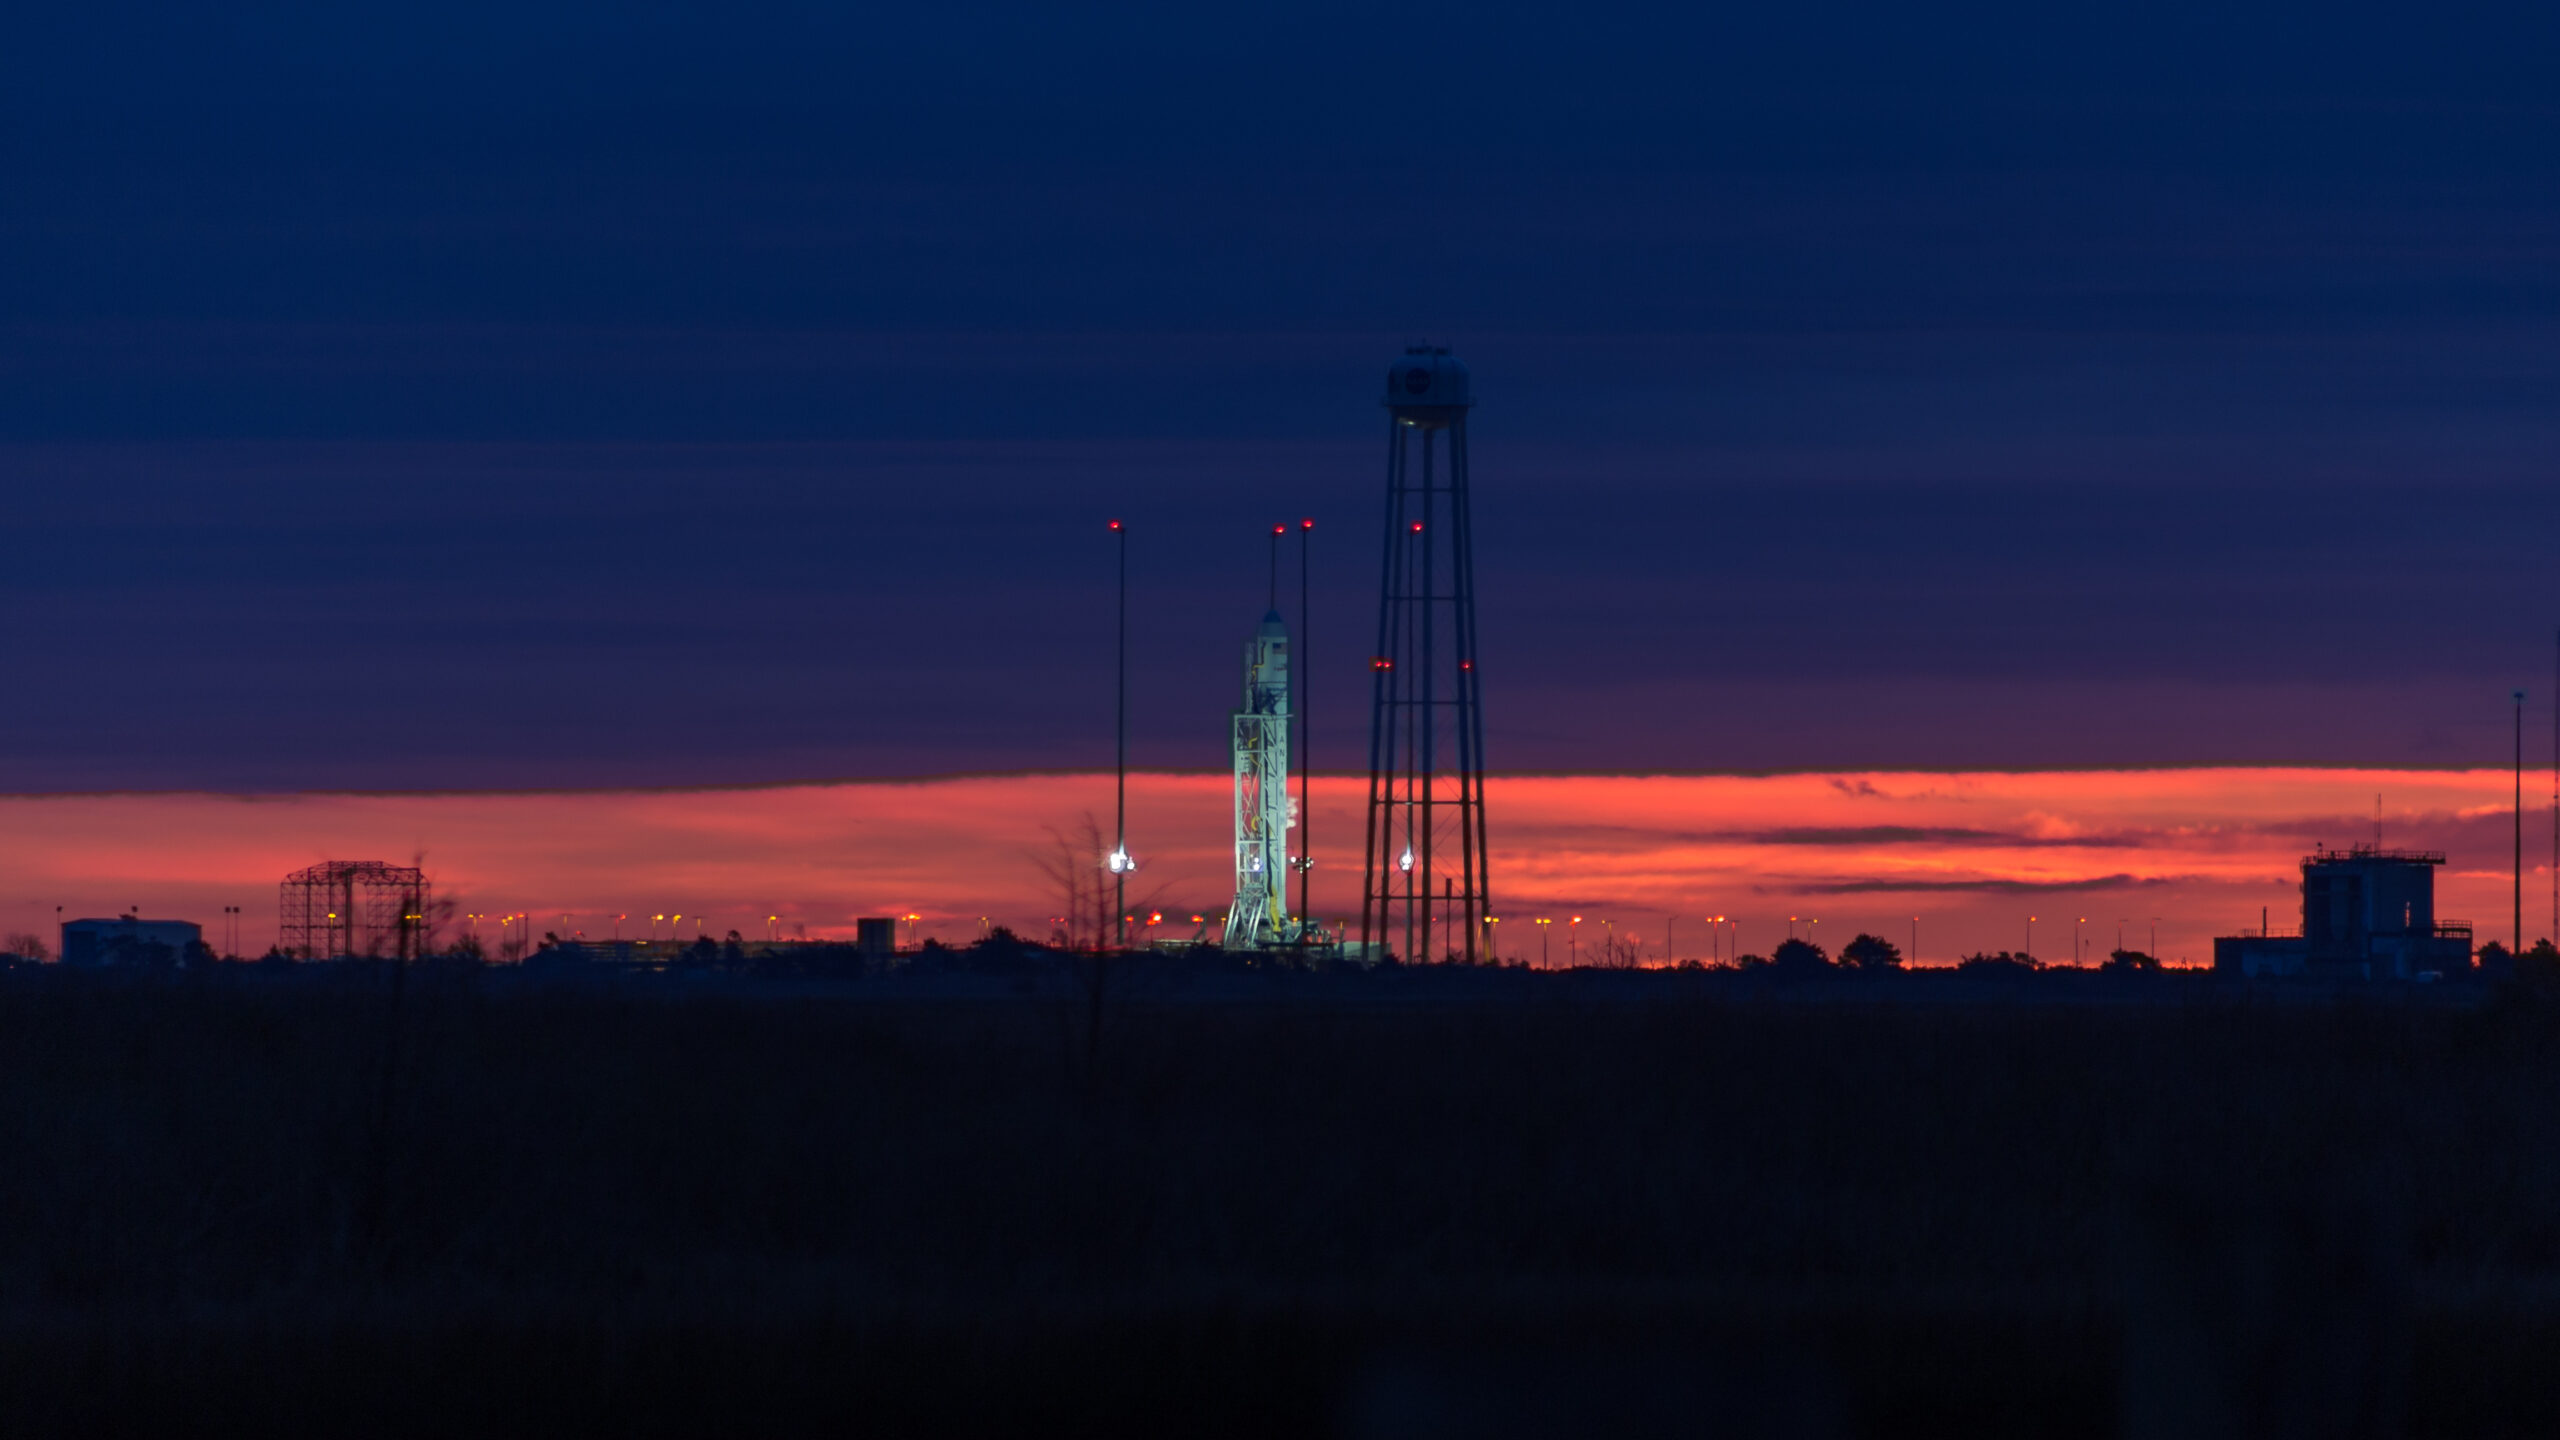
[(1425, 889)]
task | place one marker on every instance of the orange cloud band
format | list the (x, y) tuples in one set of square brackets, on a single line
[(1966, 858)]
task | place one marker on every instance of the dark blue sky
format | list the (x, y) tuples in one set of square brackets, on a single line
[(536, 395)]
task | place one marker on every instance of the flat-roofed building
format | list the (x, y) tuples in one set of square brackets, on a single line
[(129, 941), (2367, 913), (876, 935)]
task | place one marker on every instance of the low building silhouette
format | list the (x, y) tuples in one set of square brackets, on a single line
[(2367, 914), (126, 940)]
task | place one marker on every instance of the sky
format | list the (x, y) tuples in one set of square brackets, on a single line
[(579, 396)]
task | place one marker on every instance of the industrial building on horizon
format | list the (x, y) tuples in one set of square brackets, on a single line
[(129, 940), (2367, 914)]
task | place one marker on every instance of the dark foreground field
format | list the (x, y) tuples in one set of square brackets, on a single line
[(1551, 1208)]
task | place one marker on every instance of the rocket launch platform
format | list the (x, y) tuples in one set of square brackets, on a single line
[(1260, 919)]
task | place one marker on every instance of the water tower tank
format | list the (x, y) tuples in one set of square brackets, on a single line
[(1426, 385)]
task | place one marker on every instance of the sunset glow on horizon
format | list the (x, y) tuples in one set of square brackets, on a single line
[(1966, 857)]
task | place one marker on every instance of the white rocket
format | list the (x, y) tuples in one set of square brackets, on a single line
[(1264, 812)]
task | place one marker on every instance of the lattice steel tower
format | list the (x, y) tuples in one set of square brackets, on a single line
[(1426, 864), (353, 908)]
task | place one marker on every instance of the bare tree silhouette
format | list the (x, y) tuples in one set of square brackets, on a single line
[(1073, 866)]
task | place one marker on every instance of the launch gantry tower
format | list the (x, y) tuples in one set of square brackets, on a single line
[(1260, 917)]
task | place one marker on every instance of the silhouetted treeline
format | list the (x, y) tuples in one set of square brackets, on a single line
[(1867, 966)]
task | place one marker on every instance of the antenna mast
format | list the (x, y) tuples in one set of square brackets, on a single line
[(1120, 863), (1305, 757)]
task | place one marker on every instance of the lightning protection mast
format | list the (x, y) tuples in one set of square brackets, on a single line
[(1426, 861), (1260, 919)]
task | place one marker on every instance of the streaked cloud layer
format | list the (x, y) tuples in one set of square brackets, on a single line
[(1967, 856)]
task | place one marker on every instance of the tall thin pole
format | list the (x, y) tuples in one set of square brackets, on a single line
[(1416, 798), (1306, 735), (1380, 828), (1120, 792), (1428, 753), (2555, 800), (2518, 947)]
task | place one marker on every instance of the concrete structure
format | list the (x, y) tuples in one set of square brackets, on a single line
[(876, 934), (129, 941), (2367, 914), (1260, 918)]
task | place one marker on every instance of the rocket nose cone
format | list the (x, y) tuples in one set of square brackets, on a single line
[(1272, 624)]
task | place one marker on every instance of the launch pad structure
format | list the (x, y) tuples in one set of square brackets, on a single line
[(353, 908), (1259, 918), (1425, 889)]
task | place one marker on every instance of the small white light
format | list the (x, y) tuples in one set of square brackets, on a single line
[(1407, 862)]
